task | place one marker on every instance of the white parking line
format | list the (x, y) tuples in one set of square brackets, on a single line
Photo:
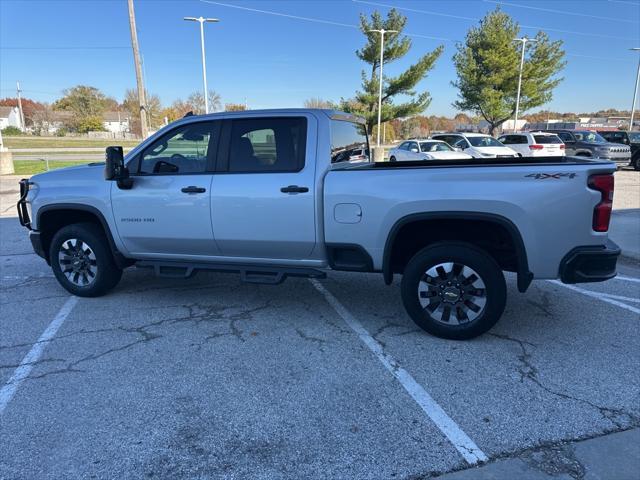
[(460, 440), (620, 297), (26, 365), (627, 279), (597, 296)]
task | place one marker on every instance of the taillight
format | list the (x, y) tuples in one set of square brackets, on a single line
[(562, 146), (602, 211), (536, 147)]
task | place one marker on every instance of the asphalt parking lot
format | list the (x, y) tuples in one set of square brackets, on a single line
[(209, 377)]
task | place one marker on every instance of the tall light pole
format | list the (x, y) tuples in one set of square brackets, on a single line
[(201, 21), (142, 100), (382, 31), (524, 41), (635, 91)]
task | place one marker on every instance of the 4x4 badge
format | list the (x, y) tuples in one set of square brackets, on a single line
[(542, 176)]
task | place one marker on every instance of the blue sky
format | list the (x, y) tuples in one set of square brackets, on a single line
[(279, 61)]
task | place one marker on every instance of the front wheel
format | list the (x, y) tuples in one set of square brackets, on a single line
[(392, 158), (82, 261), (453, 290), (635, 162)]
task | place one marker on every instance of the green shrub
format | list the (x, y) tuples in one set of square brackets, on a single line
[(61, 132), (11, 131)]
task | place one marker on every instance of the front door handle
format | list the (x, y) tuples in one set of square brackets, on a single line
[(193, 189), (294, 189)]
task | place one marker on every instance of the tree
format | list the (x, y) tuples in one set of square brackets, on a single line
[(86, 103), (488, 65), (234, 107), (365, 103), (153, 108), (89, 124), (196, 100), (316, 102)]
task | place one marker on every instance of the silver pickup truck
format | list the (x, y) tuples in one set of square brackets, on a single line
[(277, 193)]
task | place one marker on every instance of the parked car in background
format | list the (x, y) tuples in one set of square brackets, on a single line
[(585, 143), (478, 145), (626, 138), (534, 144), (418, 149)]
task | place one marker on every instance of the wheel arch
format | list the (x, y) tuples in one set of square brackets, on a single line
[(52, 217), (521, 266)]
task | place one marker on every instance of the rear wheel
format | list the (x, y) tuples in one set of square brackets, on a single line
[(635, 162), (392, 158), (453, 290), (82, 261)]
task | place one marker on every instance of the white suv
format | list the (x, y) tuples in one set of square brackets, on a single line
[(534, 144), (478, 145)]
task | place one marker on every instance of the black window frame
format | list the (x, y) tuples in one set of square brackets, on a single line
[(212, 151), (224, 145)]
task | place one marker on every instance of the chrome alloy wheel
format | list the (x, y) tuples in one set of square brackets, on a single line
[(452, 293), (78, 262)]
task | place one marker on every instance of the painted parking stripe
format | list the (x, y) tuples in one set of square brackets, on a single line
[(620, 297), (460, 440), (627, 279), (26, 365), (597, 296)]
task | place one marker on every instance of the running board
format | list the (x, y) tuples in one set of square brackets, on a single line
[(263, 274)]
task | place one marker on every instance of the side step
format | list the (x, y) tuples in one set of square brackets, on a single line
[(263, 274)]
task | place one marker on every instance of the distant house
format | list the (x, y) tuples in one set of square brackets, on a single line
[(48, 122), (10, 117), (116, 122)]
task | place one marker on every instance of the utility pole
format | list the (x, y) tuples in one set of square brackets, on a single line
[(18, 91), (382, 31), (635, 91), (524, 41), (139, 80), (202, 21)]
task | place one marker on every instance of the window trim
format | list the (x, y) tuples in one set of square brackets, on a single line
[(224, 145), (212, 152)]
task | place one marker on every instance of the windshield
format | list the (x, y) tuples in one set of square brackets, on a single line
[(484, 142), (634, 137), (435, 147), (591, 137)]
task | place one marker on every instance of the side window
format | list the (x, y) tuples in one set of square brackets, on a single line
[(566, 137), (521, 139), (459, 143), (413, 146), (348, 141), (183, 150), (504, 139), (267, 144), (404, 146)]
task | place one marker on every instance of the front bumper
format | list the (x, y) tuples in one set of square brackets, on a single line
[(36, 243), (595, 263)]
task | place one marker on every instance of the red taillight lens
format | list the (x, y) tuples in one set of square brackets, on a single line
[(602, 211), (536, 147), (562, 146)]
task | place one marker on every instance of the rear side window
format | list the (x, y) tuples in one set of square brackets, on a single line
[(566, 137), (547, 139), (268, 144), (347, 138)]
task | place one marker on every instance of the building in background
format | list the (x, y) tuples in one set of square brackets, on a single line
[(10, 117), (116, 122)]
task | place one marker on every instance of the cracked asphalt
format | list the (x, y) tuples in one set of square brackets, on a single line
[(212, 378)]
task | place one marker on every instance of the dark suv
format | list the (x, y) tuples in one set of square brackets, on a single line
[(585, 143), (626, 138)]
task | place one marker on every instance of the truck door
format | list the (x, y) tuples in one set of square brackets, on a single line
[(263, 192), (167, 211)]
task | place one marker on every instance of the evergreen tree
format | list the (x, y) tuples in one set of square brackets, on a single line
[(488, 65), (365, 103)]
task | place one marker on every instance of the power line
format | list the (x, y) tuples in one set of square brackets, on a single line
[(534, 27), (62, 48), (314, 20), (562, 12)]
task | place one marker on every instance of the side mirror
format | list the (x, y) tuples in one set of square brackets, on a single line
[(114, 168), (414, 150), (457, 149)]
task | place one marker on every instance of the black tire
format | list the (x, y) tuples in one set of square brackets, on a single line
[(635, 161), (106, 274), (492, 297), (392, 158)]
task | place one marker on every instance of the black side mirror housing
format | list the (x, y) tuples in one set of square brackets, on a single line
[(114, 168)]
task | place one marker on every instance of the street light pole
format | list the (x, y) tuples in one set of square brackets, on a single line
[(524, 41), (382, 31), (202, 20), (635, 91)]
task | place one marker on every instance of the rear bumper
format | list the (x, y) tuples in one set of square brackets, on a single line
[(595, 263), (36, 243)]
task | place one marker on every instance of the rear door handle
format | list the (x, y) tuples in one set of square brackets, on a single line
[(294, 189), (193, 189)]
